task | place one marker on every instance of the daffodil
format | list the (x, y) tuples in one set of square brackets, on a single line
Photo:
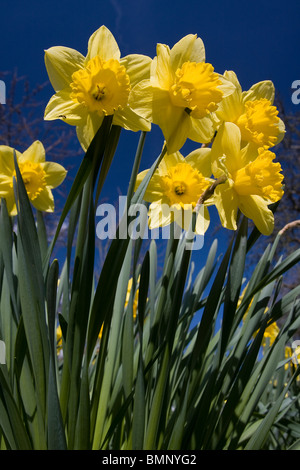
[(39, 176), (270, 334), (254, 180), (89, 88), (182, 94), (175, 188), (253, 112)]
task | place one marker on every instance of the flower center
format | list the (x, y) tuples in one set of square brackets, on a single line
[(196, 89), (184, 185), (102, 86), (33, 177), (261, 177), (259, 123)]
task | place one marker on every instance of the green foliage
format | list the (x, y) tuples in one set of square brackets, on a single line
[(187, 373)]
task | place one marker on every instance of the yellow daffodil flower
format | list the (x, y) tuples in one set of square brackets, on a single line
[(182, 93), (294, 355), (89, 88), (39, 176), (270, 334), (175, 189), (253, 180), (253, 112)]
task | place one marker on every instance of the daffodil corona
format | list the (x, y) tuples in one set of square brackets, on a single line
[(89, 88), (39, 177), (254, 180), (253, 112)]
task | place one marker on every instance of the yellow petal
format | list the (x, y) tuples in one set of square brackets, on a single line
[(202, 130), (44, 201), (183, 217), (264, 89), (61, 63), (189, 48), (160, 215), (173, 121), (226, 146), (256, 209), (103, 44), (226, 202), (137, 67), (11, 204), (35, 153), (169, 160), (200, 159), (129, 119), (62, 107), (86, 131), (232, 77), (161, 73), (141, 99), (227, 87), (232, 106), (7, 166), (54, 174), (5, 185)]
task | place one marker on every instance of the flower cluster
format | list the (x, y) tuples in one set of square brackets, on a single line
[(182, 94)]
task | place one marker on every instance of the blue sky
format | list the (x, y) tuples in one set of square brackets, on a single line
[(259, 40)]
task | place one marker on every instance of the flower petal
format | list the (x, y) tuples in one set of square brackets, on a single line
[(169, 160), (200, 159), (264, 89), (35, 153), (61, 63), (202, 130), (5, 185), (256, 209), (87, 130), (103, 44), (189, 48), (141, 99), (129, 119), (62, 107), (226, 201), (11, 204), (159, 215), (226, 146), (173, 121), (161, 72), (55, 174), (137, 67), (7, 165), (44, 201), (183, 218)]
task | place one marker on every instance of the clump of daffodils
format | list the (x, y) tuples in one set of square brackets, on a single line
[(182, 94), (188, 99)]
